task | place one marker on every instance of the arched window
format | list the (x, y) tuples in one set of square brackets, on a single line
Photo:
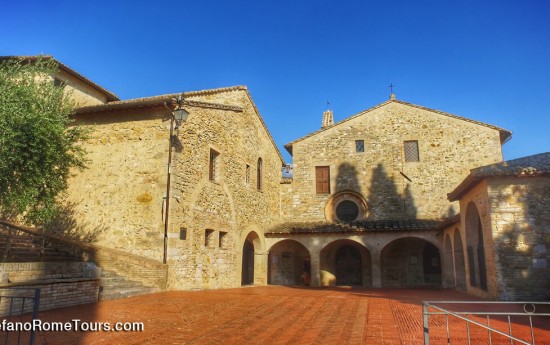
[(259, 174)]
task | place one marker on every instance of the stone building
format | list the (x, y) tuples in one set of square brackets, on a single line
[(499, 246), (225, 172), (368, 195), (396, 195)]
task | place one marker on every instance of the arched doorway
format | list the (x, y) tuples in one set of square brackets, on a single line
[(460, 268), (286, 263), (247, 275), (476, 248), (448, 272), (348, 262), (410, 262)]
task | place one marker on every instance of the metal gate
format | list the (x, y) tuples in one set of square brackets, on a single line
[(18, 310), (485, 322)]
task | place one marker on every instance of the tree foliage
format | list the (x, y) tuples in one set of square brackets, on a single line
[(38, 148)]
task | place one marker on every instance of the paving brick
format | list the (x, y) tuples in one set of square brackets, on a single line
[(279, 315)]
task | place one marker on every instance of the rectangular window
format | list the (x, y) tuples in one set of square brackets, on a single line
[(213, 166), (247, 174), (411, 151), (208, 237), (259, 174), (322, 180), (359, 146), (223, 239)]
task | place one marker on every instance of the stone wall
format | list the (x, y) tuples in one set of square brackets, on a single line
[(83, 94), (118, 201), (230, 206), (392, 188), (36, 271), (478, 196), (520, 221), (61, 284)]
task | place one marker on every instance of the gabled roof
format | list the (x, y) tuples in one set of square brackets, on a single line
[(155, 101), (108, 94), (534, 165), (504, 134)]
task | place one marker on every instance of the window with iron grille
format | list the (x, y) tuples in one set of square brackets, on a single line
[(322, 180), (213, 165), (359, 146), (411, 151), (259, 174)]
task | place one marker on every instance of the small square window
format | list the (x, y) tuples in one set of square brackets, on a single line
[(183, 233), (359, 146), (223, 239), (208, 237), (411, 151)]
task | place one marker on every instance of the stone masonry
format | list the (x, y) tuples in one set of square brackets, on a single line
[(119, 198), (393, 188)]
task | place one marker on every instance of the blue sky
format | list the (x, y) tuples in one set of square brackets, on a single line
[(485, 60)]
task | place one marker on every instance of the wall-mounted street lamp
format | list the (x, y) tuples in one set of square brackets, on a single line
[(177, 115)]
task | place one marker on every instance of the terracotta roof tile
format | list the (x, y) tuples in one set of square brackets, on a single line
[(534, 165), (363, 226)]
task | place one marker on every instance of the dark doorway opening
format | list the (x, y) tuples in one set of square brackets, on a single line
[(247, 276), (348, 266)]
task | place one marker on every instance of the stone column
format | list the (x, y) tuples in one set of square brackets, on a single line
[(315, 269), (260, 264), (376, 269)]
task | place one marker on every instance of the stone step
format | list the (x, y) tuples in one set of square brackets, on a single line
[(126, 293), (114, 286)]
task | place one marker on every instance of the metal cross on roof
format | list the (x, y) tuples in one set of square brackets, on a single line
[(391, 88)]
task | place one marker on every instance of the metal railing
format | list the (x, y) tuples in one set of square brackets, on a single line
[(18, 310), (475, 316)]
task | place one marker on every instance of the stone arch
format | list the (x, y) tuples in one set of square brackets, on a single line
[(346, 262), (350, 197), (201, 198), (286, 262), (410, 261), (460, 268), (448, 263), (251, 266), (475, 247)]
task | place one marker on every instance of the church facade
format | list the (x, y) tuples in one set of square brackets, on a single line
[(398, 195)]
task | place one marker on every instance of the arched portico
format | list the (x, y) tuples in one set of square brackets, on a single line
[(285, 262), (346, 262), (410, 261)]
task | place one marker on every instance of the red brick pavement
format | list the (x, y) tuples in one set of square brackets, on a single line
[(275, 315)]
